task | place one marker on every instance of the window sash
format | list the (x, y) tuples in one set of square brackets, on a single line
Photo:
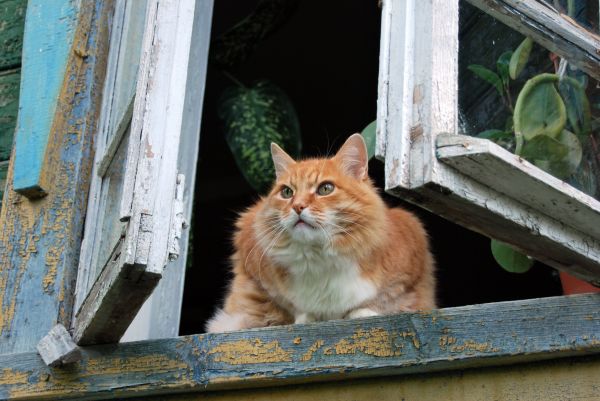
[(417, 118), (165, 107)]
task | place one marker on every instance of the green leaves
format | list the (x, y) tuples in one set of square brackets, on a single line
[(254, 117), (369, 133), (577, 105), (488, 75), (539, 109), (520, 57), (560, 157), (509, 259)]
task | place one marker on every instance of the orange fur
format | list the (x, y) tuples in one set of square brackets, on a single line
[(353, 256)]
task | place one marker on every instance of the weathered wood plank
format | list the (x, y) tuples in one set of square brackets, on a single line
[(12, 20), (47, 52), (164, 304), (39, 241), (553, 30), (567, 379), (9, 106), (485, 161), (446, 339)]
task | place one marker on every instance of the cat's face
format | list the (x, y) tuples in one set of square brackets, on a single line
[(322, 201)]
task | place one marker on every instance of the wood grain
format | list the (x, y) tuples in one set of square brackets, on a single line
[(445, 339), (39, 241)]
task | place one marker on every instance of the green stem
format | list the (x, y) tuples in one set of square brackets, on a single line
[(571, 8)]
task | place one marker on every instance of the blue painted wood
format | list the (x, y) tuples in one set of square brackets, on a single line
[(47, 44), (446, 339), (40, 241)]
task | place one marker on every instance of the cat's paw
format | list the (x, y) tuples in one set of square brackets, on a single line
[(304, 318), (361, 312), (223, 321)]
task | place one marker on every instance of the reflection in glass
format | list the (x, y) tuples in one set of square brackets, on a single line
[(528, 100)]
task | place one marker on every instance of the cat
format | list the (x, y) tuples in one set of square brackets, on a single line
[(323, 245)]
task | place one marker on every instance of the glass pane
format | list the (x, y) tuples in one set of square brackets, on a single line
[(583, 12), (128, 62), (528, 100), (110, 227)]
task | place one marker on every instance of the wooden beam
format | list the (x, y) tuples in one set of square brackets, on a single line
[(571, 378), (40, 240), (445, 339), (50, 33), (546, 26), (485, 161)]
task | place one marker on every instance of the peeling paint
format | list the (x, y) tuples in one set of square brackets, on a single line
[(376, 342), (313, 348), (244, 352)]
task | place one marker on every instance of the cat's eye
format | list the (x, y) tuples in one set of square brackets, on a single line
[(286, 192), (325, 188)]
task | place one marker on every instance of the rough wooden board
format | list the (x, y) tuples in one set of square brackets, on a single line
[(567, 379), (555, 31), (513, 176), (446, 339), (112, 302), (9, 106), (39, 241), (58, 348), (12, 20), (49, 37), (165, 303)]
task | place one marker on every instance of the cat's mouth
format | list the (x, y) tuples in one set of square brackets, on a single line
[(302, 223)]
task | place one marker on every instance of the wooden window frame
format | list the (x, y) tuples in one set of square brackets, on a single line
[(165, 112), (475, 336), (462, 178)]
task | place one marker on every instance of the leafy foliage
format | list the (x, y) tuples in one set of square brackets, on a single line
[(369, 134), (511, 260), (550, 120), (254, 117)]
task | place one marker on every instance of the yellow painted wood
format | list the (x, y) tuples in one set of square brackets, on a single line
[(560, 380)]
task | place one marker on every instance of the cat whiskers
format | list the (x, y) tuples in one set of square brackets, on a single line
[(263, 233), (343, 231), (267, 249)]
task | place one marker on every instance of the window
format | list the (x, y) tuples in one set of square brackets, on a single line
[(150, 108), (473, 181)]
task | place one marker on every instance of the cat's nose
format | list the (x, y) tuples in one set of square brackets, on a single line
[(299, 207)]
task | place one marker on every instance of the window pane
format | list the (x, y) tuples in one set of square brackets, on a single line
[(128, 62), (583, 12), (111, 228), (527, 99)]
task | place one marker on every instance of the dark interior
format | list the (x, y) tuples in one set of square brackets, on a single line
[(325, 57)]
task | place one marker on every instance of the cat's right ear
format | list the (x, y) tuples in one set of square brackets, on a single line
[(281, 160)]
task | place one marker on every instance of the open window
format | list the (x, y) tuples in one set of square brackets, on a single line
[(430, 154), (151, 107)]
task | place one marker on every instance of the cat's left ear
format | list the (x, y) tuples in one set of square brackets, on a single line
[(353, 157), (281, 160)]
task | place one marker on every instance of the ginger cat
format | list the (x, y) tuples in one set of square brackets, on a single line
[(323, 245)]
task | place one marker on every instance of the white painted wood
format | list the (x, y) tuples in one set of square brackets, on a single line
[(546, 26), (164, 305), (167, 103), (418, 97), (58, 348), (395, 103), (480, 197), (520, 180), (86, 268)]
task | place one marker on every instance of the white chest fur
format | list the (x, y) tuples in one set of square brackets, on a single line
[(321, 283)]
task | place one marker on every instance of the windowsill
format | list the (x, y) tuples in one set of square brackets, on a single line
[(445, 339)]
